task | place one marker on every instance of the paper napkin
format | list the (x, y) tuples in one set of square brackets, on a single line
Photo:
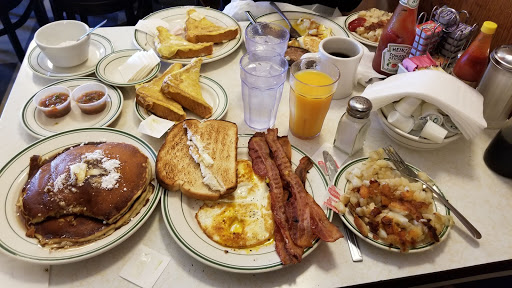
[(144, 267), (461, 102), (365, 70), (149, 26)]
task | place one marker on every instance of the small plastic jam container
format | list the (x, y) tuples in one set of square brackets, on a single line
[(91, 98), (54, 102)]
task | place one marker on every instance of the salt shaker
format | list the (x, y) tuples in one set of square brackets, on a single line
[(496, 87), (353, 125)]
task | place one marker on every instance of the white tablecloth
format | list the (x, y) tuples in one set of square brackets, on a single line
[(457, 168)]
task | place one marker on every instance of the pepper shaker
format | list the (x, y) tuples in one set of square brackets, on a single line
[(353, 125)]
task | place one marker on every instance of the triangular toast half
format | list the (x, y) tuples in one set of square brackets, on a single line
[(170, 46), (149, 96), (199, 29), (183, 87)]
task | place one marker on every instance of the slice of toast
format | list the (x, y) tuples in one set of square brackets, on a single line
[(183, 87), (176, 169), (199, 29), (149, 96), (170, 46), (217, 140)]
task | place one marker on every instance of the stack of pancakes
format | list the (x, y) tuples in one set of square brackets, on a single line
[(84, 193)]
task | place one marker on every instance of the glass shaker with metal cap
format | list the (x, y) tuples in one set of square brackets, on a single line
[(496, 87), (353, 125)]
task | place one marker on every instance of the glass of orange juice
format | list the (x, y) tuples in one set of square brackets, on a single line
[(312, 83)]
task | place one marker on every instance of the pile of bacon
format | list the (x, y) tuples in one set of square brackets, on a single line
[(298, 219)]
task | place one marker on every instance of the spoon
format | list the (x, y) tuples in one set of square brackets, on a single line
[(250, 17), (293, 33), (90, 31)]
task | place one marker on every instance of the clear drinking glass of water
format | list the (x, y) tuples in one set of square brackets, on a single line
[(263, 73), (266, 36)]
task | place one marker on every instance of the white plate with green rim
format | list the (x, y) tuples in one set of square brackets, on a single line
[(13, 176), (179, 217), (39, 63), (356, 36), (176, 16), (37, 124), (293, 16), (107, 69), (342, 184), (213, 93)]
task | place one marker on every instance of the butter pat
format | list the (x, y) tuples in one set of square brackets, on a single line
[(196, 16), (144, 267), (155, 126), (138, 65)]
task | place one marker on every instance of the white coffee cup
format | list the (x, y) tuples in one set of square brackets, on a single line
[(346, 54)]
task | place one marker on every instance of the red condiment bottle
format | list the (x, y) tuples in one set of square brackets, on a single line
[(397, 38), (470, 67)]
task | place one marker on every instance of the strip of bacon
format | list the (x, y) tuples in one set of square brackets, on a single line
[(287, 250), (305, 164), (310, 219)]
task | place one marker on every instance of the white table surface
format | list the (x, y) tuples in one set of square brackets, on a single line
[(458, 169)]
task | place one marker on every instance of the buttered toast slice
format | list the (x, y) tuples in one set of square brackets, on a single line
[(170, 46), (149, 96), (183, 87), (199, 29), (176, 169), (213, 144)]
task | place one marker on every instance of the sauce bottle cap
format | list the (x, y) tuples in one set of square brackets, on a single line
[(489, 27), (359, 107)]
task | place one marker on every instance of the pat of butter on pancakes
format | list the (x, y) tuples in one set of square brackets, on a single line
[(242, 219)]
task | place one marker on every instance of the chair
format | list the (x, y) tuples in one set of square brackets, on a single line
[(84, 8), (10, 27)]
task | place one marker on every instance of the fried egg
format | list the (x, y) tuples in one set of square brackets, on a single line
[(242, 219)]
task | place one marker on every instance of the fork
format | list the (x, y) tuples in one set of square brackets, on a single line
[(407, 171)]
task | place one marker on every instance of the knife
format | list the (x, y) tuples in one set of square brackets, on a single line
[(353, 246)]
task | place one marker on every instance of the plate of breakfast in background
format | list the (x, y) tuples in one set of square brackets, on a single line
[(182, 33), (366, 26), (76, 194), (217, 205), (181, 93), (313, 28)]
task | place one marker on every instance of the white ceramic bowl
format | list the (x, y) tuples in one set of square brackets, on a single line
[(95, 107), (58, 110), (411, 141), (57, 40)]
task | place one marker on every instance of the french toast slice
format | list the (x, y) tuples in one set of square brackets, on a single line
[(150, 96), (199, 29), (177, 170), (183, 87), (170, 46)]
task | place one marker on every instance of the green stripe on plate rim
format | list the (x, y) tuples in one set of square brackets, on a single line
[(202, 257), (103, 79), (310, 14), (186, 60), (224, 93), (69, 75), (29, 101), (148, 207), (423, 246)]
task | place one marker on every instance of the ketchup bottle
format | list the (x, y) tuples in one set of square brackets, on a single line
[(397, 38), (470, 67)]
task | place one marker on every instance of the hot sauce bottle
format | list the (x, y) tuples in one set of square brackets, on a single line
[(397, 38), (471, 65)]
